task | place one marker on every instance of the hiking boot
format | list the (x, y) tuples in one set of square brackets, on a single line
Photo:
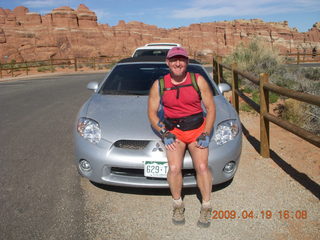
[(178, 214), (205, 216)]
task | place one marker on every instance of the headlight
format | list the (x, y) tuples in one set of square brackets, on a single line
[(226, 131), (89, 129)]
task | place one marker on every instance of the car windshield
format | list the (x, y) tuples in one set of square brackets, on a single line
[(151, 52), (137, 79)]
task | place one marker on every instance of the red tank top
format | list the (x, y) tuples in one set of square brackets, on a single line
[(187, 104)]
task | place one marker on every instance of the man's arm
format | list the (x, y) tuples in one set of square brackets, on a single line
[(153, 106), (208, 101)]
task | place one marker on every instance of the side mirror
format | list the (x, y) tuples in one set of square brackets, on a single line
[(93, 86), (224, 87)]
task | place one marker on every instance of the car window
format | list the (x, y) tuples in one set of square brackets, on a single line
[(137, 79), (151, 52)]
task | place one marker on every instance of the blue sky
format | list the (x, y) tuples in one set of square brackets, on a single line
[(301, 14)]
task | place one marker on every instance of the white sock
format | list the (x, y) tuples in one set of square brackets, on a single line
[(177, 202), (206, 204)]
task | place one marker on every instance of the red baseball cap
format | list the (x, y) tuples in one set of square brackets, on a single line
[(177, 51)]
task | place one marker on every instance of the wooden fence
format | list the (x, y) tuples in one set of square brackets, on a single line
[(297, 58), (263, 109), (49, 65)]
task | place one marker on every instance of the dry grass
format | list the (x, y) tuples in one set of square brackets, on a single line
[(258, 57)]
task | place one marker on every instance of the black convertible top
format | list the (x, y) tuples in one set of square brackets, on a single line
[(150, 59)]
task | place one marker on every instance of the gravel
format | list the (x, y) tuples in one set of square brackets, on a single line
[(261, 195)]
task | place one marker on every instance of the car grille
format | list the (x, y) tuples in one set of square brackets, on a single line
[(131, 144), (140, 172)]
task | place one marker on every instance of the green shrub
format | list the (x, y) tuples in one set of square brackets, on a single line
[(301, 114), (45, 69), (247, 89), (273, 97), (311, 73), (257, 57), (111, 65), (256, 97), (245, 107)]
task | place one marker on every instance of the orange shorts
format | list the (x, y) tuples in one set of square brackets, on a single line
[(189, 136)]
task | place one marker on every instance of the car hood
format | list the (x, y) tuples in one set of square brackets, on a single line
[(121, 117), (126, 117)]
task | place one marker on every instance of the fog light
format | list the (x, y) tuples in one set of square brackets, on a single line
[(85, 165), (229, 167)]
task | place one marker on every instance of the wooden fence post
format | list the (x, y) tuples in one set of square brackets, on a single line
[(94, 63), (12, 69), (0, 70), (215, 70), (235, 87), (75, 64), (264, 123), (27, 69), (51, 64), (298, 58), (219, 69)]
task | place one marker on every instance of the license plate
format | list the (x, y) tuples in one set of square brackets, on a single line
[(156, 169)]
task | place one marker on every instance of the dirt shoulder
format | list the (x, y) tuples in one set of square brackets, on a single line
[(297, 153)]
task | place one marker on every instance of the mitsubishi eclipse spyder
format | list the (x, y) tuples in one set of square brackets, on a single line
[(116, 145)]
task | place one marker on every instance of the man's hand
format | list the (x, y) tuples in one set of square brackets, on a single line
[(203, 140), (169, 140)]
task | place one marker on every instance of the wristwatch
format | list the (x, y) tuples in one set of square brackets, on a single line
[(162, 131)]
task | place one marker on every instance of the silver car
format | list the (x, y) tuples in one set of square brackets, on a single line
[(116, 145)]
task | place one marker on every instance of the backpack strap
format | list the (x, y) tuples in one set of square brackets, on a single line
[(194, 85), (161, 86), (161, 108)]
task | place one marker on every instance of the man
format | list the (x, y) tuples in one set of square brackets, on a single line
[(184, 128)]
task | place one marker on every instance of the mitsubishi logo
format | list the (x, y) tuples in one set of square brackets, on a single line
[(157, 148)]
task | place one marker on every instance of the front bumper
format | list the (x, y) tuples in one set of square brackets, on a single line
[(114, 164)]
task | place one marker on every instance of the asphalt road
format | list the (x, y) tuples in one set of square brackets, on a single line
[(40, 196), (43, 197)]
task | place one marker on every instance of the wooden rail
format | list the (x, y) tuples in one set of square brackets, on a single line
[(263, 109), (297, 58), (75, 63)]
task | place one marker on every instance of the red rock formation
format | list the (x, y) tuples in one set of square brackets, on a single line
[(64, 18), (67, 33), (86, 18)]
